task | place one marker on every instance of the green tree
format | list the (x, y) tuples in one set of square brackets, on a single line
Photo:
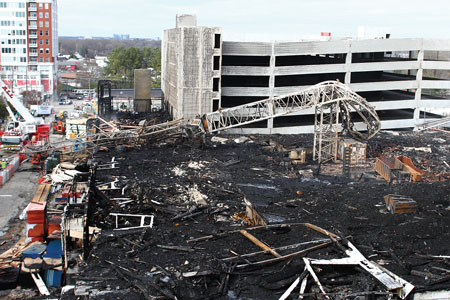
[(156, 60), (123, 62)]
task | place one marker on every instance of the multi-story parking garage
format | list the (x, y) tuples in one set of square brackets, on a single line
[(400, 77)]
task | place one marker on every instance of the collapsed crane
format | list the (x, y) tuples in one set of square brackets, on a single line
[(332, 101)]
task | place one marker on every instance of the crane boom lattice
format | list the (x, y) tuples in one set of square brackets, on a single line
[(330, 99)]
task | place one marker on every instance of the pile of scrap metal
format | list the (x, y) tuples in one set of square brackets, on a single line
[(349, 257), (401, 169), (393, 284)]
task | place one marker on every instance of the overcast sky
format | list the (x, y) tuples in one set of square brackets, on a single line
[(257, 19)]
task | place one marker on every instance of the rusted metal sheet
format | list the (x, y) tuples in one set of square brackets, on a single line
[(400, 204), (401, 168), (416, 174), (385, 166)]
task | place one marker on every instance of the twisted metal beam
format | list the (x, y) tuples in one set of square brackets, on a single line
[(91, 140), (323, 94), (331, 96)]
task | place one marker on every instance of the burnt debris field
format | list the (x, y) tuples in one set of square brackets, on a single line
[(248, 217), (235, 219)]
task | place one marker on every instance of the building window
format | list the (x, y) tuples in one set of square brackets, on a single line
[(215, 104), (217, 41), (40, 14), (41, 50), (216, 84), (41, 59), (46, 41), (24, 50), (41, 42), (46, 15), (46, 24), (40, 32), (46, 5), (216, 64), (41, 24), (40, 5), (47, 51), (47, 59), (46, 32)]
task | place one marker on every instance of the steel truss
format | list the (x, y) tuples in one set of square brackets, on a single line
[(326, 122), (95, 137), (330, 99)]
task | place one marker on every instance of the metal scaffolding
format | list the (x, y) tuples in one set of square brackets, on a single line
[(326, 122)]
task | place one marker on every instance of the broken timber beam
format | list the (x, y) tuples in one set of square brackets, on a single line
[(284, 257), (278, 248), (258, 243), (221, 234), (41, 193)]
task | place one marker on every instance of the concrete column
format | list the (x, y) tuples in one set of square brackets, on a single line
[(348, 63), (418, 95), (180, 75), (271, 81), (201, 59)]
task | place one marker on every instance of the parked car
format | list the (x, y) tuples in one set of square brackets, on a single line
[(65, 102), (80, 97)]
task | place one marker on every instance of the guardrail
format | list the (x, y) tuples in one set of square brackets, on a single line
[(8, 172)]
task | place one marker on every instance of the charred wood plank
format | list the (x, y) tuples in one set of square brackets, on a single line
[(440, 280), (293, 246), (177, 248), (258, 243), (277, 259), (222, 234)]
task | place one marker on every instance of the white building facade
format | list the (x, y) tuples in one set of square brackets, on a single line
[(29, 45)]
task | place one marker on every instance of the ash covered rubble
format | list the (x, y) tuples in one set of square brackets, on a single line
[(253, 217), (236, 219)]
